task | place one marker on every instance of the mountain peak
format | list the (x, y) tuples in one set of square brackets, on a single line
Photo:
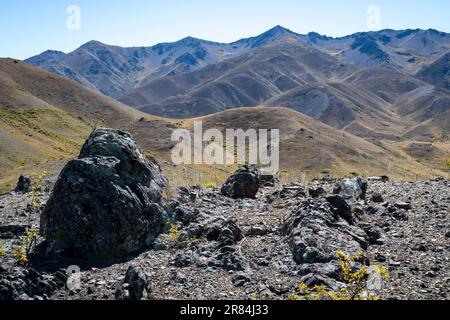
[(274, 34), (48, 55), (191, 41), (92, 44), (279, 29)]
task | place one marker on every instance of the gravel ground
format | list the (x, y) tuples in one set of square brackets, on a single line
[(257, 264)]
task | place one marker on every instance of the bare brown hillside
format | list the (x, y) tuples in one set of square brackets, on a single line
[(45, 119)]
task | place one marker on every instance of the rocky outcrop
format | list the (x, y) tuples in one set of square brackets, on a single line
[(233, 249), (244, 183), (23, 185), (18, 283), (316, 233), (107, 202)]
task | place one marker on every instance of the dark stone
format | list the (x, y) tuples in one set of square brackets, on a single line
[(258, 231), (230, 234), (243, 184), (185, 215), (374, 233), (240, 279), (315, 193), (213, 232), (24, 185), (343, 208), (381, 179), (184, 260), (420, 247), (400, 215), (403, 205), (312, 280), (178, 277), (107, 202), (230, 260), (377, 198), (12, 231), (20, 283), (267, 179), (135, 286)]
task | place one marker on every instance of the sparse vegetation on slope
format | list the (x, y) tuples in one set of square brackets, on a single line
[(35, 136)]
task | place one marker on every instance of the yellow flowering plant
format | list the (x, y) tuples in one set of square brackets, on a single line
[(355, 280)]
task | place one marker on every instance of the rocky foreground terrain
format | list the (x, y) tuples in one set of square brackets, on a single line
[(252, 239)]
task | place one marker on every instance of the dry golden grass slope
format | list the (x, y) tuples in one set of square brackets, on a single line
[(45, 118)]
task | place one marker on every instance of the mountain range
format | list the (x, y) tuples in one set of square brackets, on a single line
[(368, 101), (323, 77), (115, 70)]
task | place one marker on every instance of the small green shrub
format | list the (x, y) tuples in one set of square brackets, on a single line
[(2, 249), (175, 236), (209, 185), (174, 232), (37, 189), (26, 247)]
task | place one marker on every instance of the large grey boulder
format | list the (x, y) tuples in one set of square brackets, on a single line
[(244, 183), (107, 202)]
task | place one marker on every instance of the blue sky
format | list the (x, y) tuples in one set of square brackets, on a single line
[(28, 27)]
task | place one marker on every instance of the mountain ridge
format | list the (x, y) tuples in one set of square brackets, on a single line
[(94, 61)]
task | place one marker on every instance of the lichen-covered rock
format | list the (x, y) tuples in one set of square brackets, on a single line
[(316, 233), (107, 202), (244, 183), (351, 188)]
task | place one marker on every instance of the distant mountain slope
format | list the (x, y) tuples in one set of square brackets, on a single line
[(367, 102), (423, 108), (430, 108), (404, 50), (247, 80), (437, 73), (385, 83), (344, 106), (116, 70)]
